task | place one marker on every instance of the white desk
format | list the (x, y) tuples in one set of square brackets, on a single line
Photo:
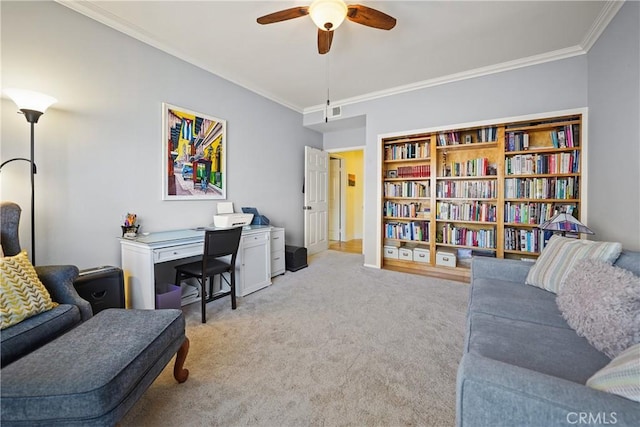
[(145, 256)]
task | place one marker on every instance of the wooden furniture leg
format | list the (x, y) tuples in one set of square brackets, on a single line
[(179, 372)]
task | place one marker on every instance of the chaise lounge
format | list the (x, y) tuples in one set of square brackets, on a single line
[(63, 366)]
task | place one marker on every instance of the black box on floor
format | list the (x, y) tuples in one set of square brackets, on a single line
[(103, 287), (295, 257)]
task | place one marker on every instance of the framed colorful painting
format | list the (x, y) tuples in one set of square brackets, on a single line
[(194, 150)]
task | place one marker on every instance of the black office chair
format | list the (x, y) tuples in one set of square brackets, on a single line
[(217, 244)]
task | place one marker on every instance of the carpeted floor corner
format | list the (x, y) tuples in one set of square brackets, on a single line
[(334, 344)]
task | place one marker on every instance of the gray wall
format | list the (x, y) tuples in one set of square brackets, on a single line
[(614, 128), (98, 150)]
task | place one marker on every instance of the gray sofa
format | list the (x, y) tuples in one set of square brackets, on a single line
[(36, 331), (522, 364)]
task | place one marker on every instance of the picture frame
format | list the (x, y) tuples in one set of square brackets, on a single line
[(194, 154), (392, 173)]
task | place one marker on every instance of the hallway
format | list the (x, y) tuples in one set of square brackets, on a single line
[(352, 246)]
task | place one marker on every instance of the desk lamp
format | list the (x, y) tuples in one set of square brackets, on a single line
[(32, 105), (564, 223)]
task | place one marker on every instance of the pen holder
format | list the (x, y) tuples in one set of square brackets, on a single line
[(129, 231)]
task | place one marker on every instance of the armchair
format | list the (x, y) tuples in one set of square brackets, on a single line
[(33, 332)]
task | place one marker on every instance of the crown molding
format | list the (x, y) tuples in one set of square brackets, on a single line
[(611, 8), (607, 13), (95, 12), (465, 75)]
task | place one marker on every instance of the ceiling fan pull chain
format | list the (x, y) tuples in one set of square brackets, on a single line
[(326, 110)]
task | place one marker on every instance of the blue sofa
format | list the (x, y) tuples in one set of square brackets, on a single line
[(522, 364)]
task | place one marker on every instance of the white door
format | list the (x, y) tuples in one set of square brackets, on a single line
[(335, 208), (316, 177)]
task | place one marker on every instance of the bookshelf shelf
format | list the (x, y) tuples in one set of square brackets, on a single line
[(475, 172), (419, 160), (449, 245), (406, 218), (472, 146), (465, 178)]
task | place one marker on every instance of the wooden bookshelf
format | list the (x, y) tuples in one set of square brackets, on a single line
[(480, 189)]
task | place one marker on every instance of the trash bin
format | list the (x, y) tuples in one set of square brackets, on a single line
[(168, 296)]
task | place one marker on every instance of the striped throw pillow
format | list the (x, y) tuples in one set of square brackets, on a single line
[(621, 376), (561, 254), (23, 294)]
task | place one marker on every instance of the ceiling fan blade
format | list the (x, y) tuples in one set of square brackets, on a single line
[(284, 15), (324, 41), (370, 17)]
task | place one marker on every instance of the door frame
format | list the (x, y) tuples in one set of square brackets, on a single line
[(343, 198), (343, 186)]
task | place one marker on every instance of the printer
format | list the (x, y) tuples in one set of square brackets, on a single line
[(227, 218)]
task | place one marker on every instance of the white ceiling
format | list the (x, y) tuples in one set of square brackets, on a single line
[(433, 42)]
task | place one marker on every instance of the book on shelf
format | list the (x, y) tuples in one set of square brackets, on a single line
[(516, 141)]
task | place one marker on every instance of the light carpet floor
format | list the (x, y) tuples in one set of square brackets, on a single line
[(334, 344)]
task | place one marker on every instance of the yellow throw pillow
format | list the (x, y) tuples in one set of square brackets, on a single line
[(23, 294)]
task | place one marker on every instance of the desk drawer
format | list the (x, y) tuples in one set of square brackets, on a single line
[(177, 252), (254, 239), (277, 263)]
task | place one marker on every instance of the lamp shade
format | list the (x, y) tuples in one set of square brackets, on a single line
[(566, 223), (30, 100), (328, 14)]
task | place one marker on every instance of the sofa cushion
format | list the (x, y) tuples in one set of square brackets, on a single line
[(515, 301), (621, 376), (493, 393), (630, 261), (558, 352), (23, 295), (602, 303), (93, 374), (560, 256), (32, 333)]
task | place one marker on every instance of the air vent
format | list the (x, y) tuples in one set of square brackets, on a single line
[(333, 112)]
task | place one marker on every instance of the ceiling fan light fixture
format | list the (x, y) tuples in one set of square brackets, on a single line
[(328, 14)]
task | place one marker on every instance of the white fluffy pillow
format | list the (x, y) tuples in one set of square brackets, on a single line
[(602, 303)]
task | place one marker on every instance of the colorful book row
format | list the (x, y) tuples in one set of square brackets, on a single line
[(470, 168), (526, 164), (466, 211), (533, 213), (542, 188), (409, 151), (483, 238), (566, 136), (489, 134), (486, 189), (532, 241), (419, 171), (402, 210), (417, 231), (407, 189)]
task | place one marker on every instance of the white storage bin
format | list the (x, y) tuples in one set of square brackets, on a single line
[(447, 259), (390, 252), (421, 255), (405, 254)]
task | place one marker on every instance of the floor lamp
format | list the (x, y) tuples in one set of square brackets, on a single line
[(32, 105)]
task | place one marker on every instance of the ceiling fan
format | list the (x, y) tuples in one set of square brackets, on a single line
[(328, 15)]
